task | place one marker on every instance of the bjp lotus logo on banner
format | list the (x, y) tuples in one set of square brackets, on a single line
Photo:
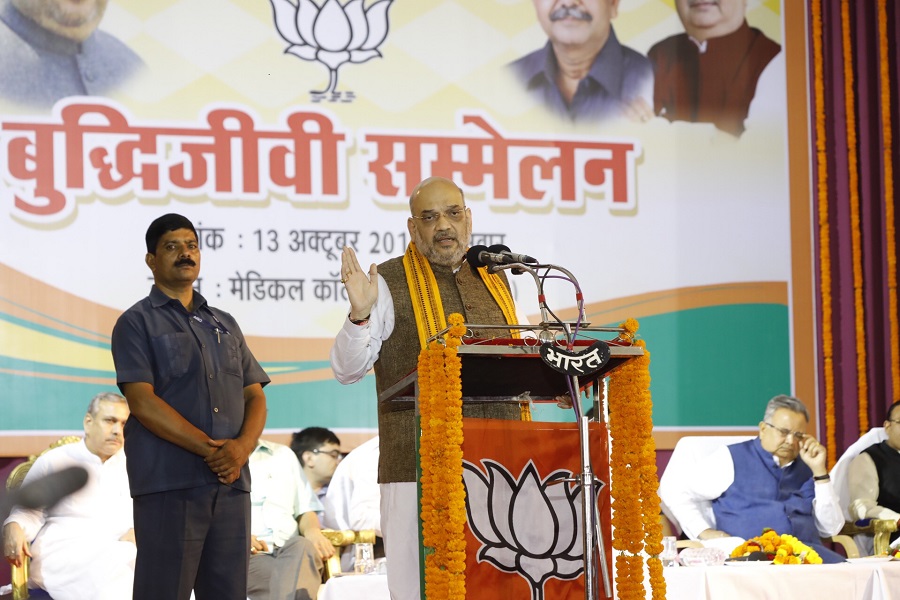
[(332, 34), (529, 526)]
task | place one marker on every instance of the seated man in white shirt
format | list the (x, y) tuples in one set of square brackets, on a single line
[(353, 500), (873, 477), (760, 483), (287, 548), (82, 547)]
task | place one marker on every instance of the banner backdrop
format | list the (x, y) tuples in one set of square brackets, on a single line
[(285, 131)]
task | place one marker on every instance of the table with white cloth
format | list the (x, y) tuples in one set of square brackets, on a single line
[(355, 587), (863, 579)]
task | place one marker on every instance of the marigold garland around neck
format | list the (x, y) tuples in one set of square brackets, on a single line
[(633, 485), (426, 296), (440, 450)]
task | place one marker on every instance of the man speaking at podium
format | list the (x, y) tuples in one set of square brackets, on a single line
[(431, 281)]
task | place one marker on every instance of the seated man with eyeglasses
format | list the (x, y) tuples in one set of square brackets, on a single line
[(760, 483), (873, 477), (319, 451)]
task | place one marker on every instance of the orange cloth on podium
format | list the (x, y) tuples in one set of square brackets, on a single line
[(524, 533)]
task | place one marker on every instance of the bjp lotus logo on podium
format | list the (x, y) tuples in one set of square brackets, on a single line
[(333, 34), (528, 526)]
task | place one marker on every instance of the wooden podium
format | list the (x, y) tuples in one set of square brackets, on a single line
[(499, 370), (510, 370)]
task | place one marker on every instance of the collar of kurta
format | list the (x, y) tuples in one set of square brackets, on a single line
[(735, 42), (606, 69)]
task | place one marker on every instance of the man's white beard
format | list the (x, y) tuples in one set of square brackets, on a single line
[(437, 258)]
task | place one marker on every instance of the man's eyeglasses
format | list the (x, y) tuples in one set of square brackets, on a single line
[(430, 217), (335, 454), (787, 432)]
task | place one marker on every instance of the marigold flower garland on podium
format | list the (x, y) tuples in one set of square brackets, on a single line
[(633, 486), (443, 494)]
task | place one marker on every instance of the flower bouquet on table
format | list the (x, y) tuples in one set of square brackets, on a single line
[(781, 549)]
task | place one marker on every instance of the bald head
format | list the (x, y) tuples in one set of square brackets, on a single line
[(434, 185)]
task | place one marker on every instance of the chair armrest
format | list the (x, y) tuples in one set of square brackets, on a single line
[(19, 580), (347, 537), (879, 529), (339, 539)]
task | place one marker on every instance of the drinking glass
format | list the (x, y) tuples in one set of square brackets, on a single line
[(669, 553), (363, 559)]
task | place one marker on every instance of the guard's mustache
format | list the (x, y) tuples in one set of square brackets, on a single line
[(185, 261)]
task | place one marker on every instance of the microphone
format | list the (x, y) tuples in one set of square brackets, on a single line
[(511, 257), (480, 256), (498, 254), (50, 489)]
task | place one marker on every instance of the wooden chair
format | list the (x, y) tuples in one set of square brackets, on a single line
[(340, 539), (879, 530), (19, 575)]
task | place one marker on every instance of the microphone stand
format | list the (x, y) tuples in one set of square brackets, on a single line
[(518, 269), (586, 479)]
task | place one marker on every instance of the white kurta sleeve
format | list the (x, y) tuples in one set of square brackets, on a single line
[(31, 520), (862, 481), (827, 509), (353, 500), (693, 506), (365, 500), (356, 347)]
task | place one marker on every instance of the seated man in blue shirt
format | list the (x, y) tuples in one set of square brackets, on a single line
[(760, 483), (583, 73)]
